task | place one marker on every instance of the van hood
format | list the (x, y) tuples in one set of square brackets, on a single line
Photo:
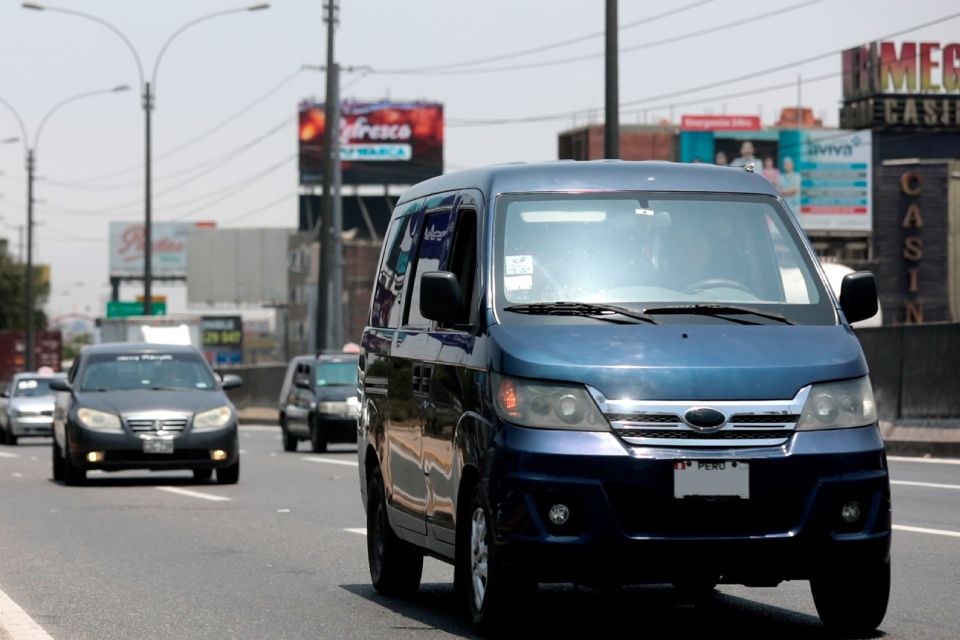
[(680, 362)]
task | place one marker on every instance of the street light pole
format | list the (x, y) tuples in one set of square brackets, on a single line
[(28, 301), (611, 128), (149, 94)]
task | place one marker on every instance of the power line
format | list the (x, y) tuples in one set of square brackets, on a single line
[(545, 47), (704, 87), (284, 198), (646, 45)]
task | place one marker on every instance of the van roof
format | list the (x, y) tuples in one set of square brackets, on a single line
[(596, 175)]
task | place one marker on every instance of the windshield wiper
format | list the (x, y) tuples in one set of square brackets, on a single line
[(718, 310), (586, 309)]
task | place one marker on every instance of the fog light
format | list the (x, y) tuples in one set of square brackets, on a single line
[(850, 511), (559, 514), (218, 454), (95, 456)]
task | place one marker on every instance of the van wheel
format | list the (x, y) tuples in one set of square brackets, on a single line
[(490, 586), (290, 441), (72, 474), (57, 462), (395, 565), (318, 439), (852, 601)]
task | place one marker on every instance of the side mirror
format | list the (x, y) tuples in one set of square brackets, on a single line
[(858, 296), (59, 384), (302, 381), (441, 298), (231, 381)]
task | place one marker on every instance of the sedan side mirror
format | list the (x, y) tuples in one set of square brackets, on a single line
[(302, 381), (59, 384), (858, 296), (441, 298), (231, 381)]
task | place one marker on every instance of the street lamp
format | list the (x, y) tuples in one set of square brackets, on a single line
[(31, 164), (149, 94)]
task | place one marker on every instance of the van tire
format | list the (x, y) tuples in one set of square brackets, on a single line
[(318, 439), (503, 585), (57, 462), (395, 565), (852, 601)]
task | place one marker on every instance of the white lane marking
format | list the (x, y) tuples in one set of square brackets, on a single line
[(16, 624), (4, 454), (349, 463), (361, 532), (17, 474), (243, 451), (257, 427), (283, 510), (933, 485), (936, 532), (926, 460), (194, 494)]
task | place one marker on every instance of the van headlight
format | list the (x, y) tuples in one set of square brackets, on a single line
[(212, 419), (839, 405), (99, 420), (546, 405)]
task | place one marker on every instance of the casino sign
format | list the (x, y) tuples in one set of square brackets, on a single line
[(915, 85)]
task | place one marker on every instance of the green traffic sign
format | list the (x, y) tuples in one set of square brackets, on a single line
[(124, 309)]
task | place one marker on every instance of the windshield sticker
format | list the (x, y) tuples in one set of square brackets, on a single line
[(201, 385), (27, 384), (518, 283), (519, 266), (144, 357)]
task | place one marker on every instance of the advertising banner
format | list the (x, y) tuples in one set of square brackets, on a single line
[(222, 339), (824, 175), (720, 123), (380, 142), (169, 249)]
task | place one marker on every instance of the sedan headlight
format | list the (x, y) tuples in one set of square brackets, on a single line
[(212, 419), (839, 405), (99, 420), (546, 405)]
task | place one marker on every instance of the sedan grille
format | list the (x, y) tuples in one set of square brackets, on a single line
[(151, 425)]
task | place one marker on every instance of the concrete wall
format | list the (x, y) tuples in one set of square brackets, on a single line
[(914, 369), (261, 384)]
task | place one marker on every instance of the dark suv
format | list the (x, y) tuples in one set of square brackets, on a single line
[(318, 401)]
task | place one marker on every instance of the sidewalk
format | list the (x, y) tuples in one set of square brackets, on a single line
[(941, 440)]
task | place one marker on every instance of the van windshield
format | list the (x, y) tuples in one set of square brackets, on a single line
[(665, 253)]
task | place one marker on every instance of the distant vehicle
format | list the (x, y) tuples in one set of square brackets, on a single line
[(26, 407), (617, 373), (318, 401), (144, 406)]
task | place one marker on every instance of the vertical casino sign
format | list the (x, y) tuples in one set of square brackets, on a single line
[(380, 142)]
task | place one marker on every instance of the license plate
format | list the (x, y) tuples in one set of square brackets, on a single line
[(713, 478), (158, 445)]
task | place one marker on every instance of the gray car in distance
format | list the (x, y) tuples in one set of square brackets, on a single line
[(26, 407)]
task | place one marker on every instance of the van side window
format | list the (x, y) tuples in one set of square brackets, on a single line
[(386, 305), (463, 261), (435, 237)]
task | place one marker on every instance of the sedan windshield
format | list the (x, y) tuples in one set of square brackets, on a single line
[(32, 388), (118, 372), (668, 255)]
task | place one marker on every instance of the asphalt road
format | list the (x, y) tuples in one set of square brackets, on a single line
[(141, 555)]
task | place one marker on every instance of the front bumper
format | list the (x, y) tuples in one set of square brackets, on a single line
[(23, 426), (626, 525), (338, 427), (191, 449)]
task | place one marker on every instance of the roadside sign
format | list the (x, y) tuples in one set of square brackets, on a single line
[(126, 308)]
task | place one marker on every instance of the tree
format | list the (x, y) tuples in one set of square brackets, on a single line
[(12, 290)]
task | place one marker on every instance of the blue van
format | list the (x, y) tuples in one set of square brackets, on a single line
[(618, 372)]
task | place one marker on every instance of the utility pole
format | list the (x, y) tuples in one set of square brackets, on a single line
[(611, 129), (328, 306), (147, 203)]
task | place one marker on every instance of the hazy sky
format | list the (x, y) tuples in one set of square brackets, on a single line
[(90, 154)]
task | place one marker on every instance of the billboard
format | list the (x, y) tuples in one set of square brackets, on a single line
[(222, 339), (169, 249), (380, 142), (823, 174), (237, 266)]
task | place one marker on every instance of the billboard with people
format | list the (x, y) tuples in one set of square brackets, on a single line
[(824, 175), (380, 142)]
